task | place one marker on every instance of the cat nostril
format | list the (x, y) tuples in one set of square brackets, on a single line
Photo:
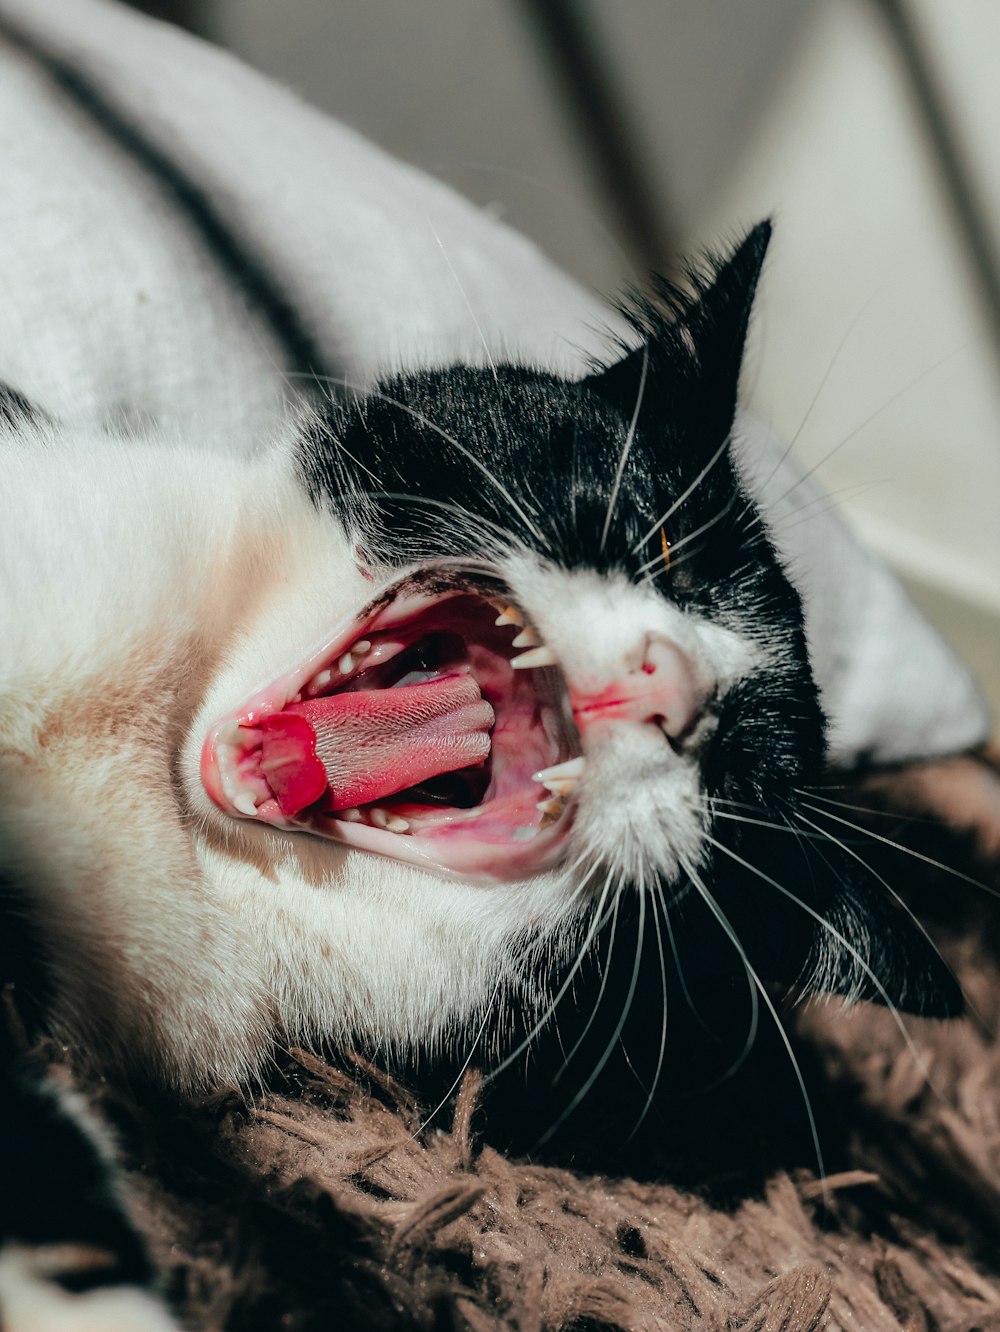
[(662, 690)]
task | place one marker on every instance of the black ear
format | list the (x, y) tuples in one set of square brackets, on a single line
[(890, 959), (693, 341)]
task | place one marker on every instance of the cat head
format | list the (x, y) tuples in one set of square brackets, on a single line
[(579, 671)]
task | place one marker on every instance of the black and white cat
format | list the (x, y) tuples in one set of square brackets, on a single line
[(340, 742), (363, 740)]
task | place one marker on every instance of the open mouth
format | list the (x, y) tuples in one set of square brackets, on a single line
[(435, 729)]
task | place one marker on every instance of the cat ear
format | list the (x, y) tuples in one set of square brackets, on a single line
[(693, 343), (890, 960)]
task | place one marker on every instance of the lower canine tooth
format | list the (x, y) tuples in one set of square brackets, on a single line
[(244, 803), (561, 773), (539, 656), (395, 824), (552, 807)]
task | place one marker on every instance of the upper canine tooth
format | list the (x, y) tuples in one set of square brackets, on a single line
[(509, 615), (528, 637), (539, 656)]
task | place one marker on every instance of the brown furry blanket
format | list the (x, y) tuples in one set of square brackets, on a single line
[(323, 1203)]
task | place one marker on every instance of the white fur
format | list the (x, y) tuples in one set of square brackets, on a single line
[(148, 591), (31, 1302)]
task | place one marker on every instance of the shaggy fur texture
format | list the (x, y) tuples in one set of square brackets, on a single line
[(323, 1203)]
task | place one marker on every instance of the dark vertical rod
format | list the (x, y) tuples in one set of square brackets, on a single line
[(944, 143), (597, 109)]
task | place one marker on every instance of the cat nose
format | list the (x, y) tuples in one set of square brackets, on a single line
[(663, 690)]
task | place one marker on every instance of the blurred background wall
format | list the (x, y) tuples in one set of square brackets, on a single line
[(639, 129)]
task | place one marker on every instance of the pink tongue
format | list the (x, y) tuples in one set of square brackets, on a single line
[(368, 744)]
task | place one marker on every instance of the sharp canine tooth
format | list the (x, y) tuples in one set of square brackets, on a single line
[(528, 637), (552, 806), (346, 664), (244, 803), (379, 817), (395, 824), (509, 615), (564, 775), (230, 733), (540, 656)]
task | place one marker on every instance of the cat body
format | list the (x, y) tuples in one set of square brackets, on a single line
[(154, 591)]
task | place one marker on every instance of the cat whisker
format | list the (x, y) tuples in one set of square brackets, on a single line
[(475, 522), (733, 938), (465, 297), (488, 1013), (866, 809), (605, 973), (494, 481), (844, 943), (800, 817), (761, 487), (906, 850), (598, 1068), (626, 448), (661, 1052), (765, 823), (677, 546), (866, 422), (570, 976), (665, 517)]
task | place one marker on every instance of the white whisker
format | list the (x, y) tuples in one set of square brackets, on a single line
[(626, 447), (731, 935), (665, 518), (615, 1036)]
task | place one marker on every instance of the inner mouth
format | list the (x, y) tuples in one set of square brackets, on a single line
[(435, 729)]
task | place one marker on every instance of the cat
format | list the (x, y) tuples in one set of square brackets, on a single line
[(365, 740)]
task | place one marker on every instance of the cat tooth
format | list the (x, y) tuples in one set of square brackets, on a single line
[(528, 637), (509, 615), (561, 780), (244, 802), (397, 824), (230, 733), (321, 680), (571, 769), (534, 657), (379, 818), (554, 805), (346, 664), (550, 810), (352, 815), (359, 649)]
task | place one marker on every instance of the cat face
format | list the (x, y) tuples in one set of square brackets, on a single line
[(576, 654)]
